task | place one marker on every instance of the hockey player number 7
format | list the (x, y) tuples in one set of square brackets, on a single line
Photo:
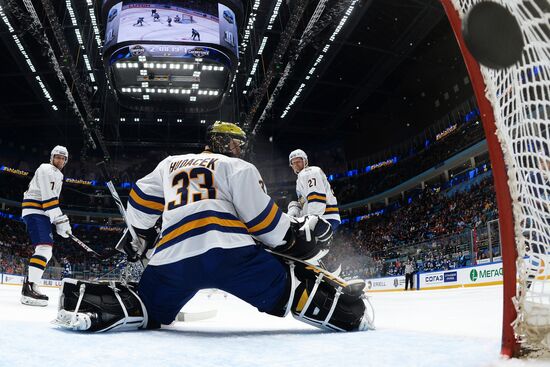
[(182, 181)]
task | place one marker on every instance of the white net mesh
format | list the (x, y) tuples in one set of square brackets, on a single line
[(520, 96)]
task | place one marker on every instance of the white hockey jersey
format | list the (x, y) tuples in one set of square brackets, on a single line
[(315, 194), (206, 201), (42, 196)]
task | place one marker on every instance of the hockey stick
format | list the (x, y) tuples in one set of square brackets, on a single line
[(118, 202), (196, 316), (87, 248)]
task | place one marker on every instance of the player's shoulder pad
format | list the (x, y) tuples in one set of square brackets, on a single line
[(164, 162), (310, 170), (240, 165), (48, 169)]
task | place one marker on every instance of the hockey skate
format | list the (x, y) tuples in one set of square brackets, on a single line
[(31, 295)]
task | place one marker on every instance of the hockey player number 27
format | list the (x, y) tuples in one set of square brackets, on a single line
[(182, 181)]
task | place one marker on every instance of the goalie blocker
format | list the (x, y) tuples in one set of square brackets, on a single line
[(312, 295)]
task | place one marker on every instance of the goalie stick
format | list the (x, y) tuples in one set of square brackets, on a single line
[(196, 316)]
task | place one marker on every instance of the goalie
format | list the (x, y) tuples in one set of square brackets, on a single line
[(214, 208)]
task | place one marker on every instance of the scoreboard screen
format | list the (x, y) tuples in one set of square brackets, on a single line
[(179, 21)]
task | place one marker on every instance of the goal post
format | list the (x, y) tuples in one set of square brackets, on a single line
[(514, 104)]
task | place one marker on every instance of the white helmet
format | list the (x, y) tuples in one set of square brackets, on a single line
[(298, 153), (59, 150)]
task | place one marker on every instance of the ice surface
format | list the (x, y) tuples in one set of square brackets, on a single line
[(458, 327)]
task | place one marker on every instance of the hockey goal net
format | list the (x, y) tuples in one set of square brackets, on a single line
[(186, 18), (515, 108)]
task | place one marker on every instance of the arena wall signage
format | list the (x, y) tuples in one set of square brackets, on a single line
[(479, 275)]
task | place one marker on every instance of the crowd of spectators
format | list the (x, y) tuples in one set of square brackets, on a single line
[(433, 229), (15, 249)]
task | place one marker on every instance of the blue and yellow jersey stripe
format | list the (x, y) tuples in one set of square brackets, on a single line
[(44, 205), (29, 203), (266, 221), (332, 209), (316, 197), (50, 204), (200, 223), (148, 204)]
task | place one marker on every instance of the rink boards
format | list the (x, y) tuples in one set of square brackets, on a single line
[(11, 279), (471, 276)]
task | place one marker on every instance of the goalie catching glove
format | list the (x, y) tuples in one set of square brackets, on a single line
[(306, 237)]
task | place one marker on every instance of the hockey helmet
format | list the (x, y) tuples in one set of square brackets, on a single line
[(59, 150), (298, 153), (220, 134)]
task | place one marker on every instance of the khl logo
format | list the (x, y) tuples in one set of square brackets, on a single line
[(473, 275)]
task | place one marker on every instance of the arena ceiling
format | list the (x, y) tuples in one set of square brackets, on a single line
[(392, 69)]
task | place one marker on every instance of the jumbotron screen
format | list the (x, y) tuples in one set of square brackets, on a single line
[(179, 21)]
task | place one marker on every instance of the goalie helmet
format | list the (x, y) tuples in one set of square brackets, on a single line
[(298, 153), (59, 150), (220, 135)]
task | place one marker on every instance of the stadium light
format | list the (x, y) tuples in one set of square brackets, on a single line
[(335, 33), (274, 15), (23, 52), (95, 28)]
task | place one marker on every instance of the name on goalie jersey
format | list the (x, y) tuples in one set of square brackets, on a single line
[(203, 162)]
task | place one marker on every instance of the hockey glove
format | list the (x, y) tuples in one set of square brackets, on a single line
[(306, 237), (136, 248), (294, 209), (62, 226)]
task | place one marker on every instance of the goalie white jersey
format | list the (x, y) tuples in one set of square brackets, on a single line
[(315, 194), (206, 201), (42, 196)]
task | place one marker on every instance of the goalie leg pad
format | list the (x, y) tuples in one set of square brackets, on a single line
[(99, 307), (326, 302)]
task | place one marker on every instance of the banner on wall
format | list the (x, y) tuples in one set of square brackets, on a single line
[(480, 275), (12, 279), (386, 284)]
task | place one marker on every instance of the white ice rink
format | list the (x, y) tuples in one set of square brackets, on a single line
[(160, 31), (458, 327)]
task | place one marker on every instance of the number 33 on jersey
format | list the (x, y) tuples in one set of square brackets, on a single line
[(206, 201)]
